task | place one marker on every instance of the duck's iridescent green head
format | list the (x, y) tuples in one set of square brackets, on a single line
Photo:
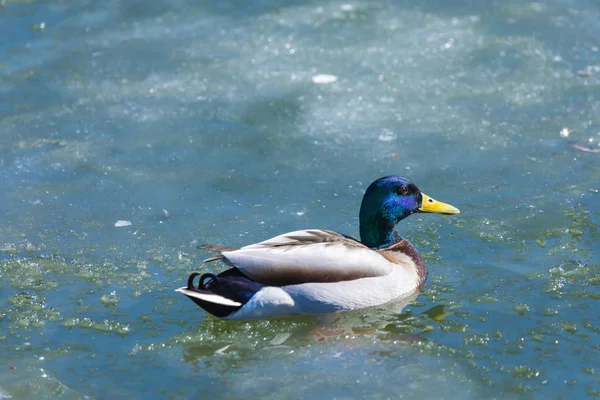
[(389, 200)]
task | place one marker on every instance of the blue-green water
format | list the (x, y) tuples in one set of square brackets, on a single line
[(206, 122)]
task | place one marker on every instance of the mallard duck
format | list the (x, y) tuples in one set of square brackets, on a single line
[(319, 271)]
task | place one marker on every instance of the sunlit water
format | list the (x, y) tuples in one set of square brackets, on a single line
[(231, 122)]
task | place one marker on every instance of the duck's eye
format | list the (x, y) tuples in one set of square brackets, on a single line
[(402, 190)]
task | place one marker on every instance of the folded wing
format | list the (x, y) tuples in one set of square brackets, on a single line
[(308, 256)]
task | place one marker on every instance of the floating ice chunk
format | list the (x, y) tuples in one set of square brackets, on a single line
[(280, 339), (323, 79), (109, 299), (4, 395), (386, 137), (121, 223), (449, 44), (222, 349)]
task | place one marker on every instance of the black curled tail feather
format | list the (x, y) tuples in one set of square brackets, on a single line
[(202, 282), (221, 292)]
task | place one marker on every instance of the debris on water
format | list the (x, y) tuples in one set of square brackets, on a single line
[(588, 71), (325, 333), (280, 339), (584, 72), (324, 79), (594, 280), (109, 299), (549, 312), (565, 132), (38, 27), (166, 213), (521, 309), (56, 145), (569, 327), (569, 270), (121, 223), (8, 248), (222, 349), (575, 232), (386, 136), (436, 313), (583, 148)]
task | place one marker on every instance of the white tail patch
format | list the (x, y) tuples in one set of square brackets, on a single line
[(211, 298)]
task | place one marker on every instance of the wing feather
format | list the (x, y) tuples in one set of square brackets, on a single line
[(308, 256)]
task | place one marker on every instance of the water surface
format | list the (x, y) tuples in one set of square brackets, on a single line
[(209, 122)]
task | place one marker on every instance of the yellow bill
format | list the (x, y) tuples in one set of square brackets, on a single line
[(430, 205)]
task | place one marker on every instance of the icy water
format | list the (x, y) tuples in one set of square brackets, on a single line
[(229, 122)]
